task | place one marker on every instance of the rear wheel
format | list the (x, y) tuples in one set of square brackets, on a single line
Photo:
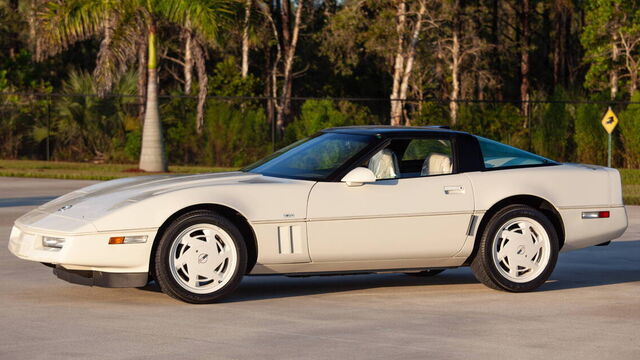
[(200, 258), (518, 250)]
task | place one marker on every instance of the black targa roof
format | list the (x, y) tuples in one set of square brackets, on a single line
[(392, 130)]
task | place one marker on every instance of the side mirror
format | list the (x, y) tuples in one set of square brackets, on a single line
[(359, 176)]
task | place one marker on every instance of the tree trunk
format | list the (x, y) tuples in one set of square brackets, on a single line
[(188, 60), (203, 85), (245, 38), (103, 73), (410, 57), (142, 78), (524, 61), (613, 74), (455, 80), (152, 155), (562, 21), (32, 21), (396, 104), (290, 41)]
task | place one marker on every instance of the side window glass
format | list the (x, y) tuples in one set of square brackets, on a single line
[(498, 155)]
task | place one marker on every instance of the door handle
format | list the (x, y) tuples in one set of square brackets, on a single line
[(457, 189)]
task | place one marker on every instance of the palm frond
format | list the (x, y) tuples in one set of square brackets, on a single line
[(118, 48), (61, 23), (206, 17)]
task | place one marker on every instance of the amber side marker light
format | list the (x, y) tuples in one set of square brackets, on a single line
[(595, 214), (119, 240)]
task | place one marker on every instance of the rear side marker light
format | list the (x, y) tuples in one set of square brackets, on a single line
[(119, 240), (595, 214)]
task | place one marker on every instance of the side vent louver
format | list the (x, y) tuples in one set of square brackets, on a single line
[(289, 239)]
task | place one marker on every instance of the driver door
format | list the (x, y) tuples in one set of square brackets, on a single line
[(423, 212)]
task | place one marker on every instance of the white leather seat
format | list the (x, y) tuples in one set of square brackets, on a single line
[(384, 164), (436, 164)]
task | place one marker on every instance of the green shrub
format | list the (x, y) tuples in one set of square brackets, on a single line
[(88, 127), (552, 127), (500, 122), (431, 113), (589, 137), (316, 115), (630, 133), (234, 135)]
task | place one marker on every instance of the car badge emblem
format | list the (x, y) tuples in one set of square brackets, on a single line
[(66, 207)]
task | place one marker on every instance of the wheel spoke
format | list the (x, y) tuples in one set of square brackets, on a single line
[(532, 265), (184, 258), (513, 269), (209, 236), (512, 235), (193, 278)]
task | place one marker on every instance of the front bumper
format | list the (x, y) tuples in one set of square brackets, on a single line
[(90, 252), (101, 278)]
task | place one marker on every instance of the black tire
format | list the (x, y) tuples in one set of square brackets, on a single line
[(485, 268), (162, 270), (426, 273)]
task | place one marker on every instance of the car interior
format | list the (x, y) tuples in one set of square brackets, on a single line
[(406, 158)]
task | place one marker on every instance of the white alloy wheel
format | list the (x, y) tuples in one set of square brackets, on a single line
[(517, 249), (203, 258), (521, 249)]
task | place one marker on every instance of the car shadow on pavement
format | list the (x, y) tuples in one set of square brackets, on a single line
[(595, 266), (278, 286)]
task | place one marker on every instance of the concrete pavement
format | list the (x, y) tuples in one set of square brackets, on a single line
[(590, 309)]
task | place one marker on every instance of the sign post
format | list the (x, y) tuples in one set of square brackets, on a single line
[(609, 122)]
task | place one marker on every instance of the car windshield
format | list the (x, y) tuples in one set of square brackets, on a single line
[(314, 158)]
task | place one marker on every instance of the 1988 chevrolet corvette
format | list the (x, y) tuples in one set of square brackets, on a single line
[(346, 200)]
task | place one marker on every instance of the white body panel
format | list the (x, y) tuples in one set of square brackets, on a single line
[(305, 226), (417, 218), (571, 189)]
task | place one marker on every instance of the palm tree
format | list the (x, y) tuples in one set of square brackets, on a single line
[(124, 28)]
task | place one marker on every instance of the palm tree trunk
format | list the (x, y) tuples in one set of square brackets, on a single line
[(152, 156)]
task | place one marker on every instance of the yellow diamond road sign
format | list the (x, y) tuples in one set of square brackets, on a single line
[(609, 121)]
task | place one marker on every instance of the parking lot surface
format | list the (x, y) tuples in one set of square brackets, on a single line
[(589, 309)]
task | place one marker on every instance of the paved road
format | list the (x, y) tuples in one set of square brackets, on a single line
[(590, 309)]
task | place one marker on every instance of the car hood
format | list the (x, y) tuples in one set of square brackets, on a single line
[(91, 202)]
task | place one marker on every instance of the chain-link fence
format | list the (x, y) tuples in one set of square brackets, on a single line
[(239, 130)]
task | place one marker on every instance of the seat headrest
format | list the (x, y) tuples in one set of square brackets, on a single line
[(436, 164), (384, 164)]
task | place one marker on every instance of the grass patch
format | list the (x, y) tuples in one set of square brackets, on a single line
[(89, 171), (86, 171), (631, 186)]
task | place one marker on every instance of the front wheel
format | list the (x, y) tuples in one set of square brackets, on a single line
[(200, 258), (518, 250)]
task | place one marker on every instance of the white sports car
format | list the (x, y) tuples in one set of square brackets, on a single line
[(347, 200)]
